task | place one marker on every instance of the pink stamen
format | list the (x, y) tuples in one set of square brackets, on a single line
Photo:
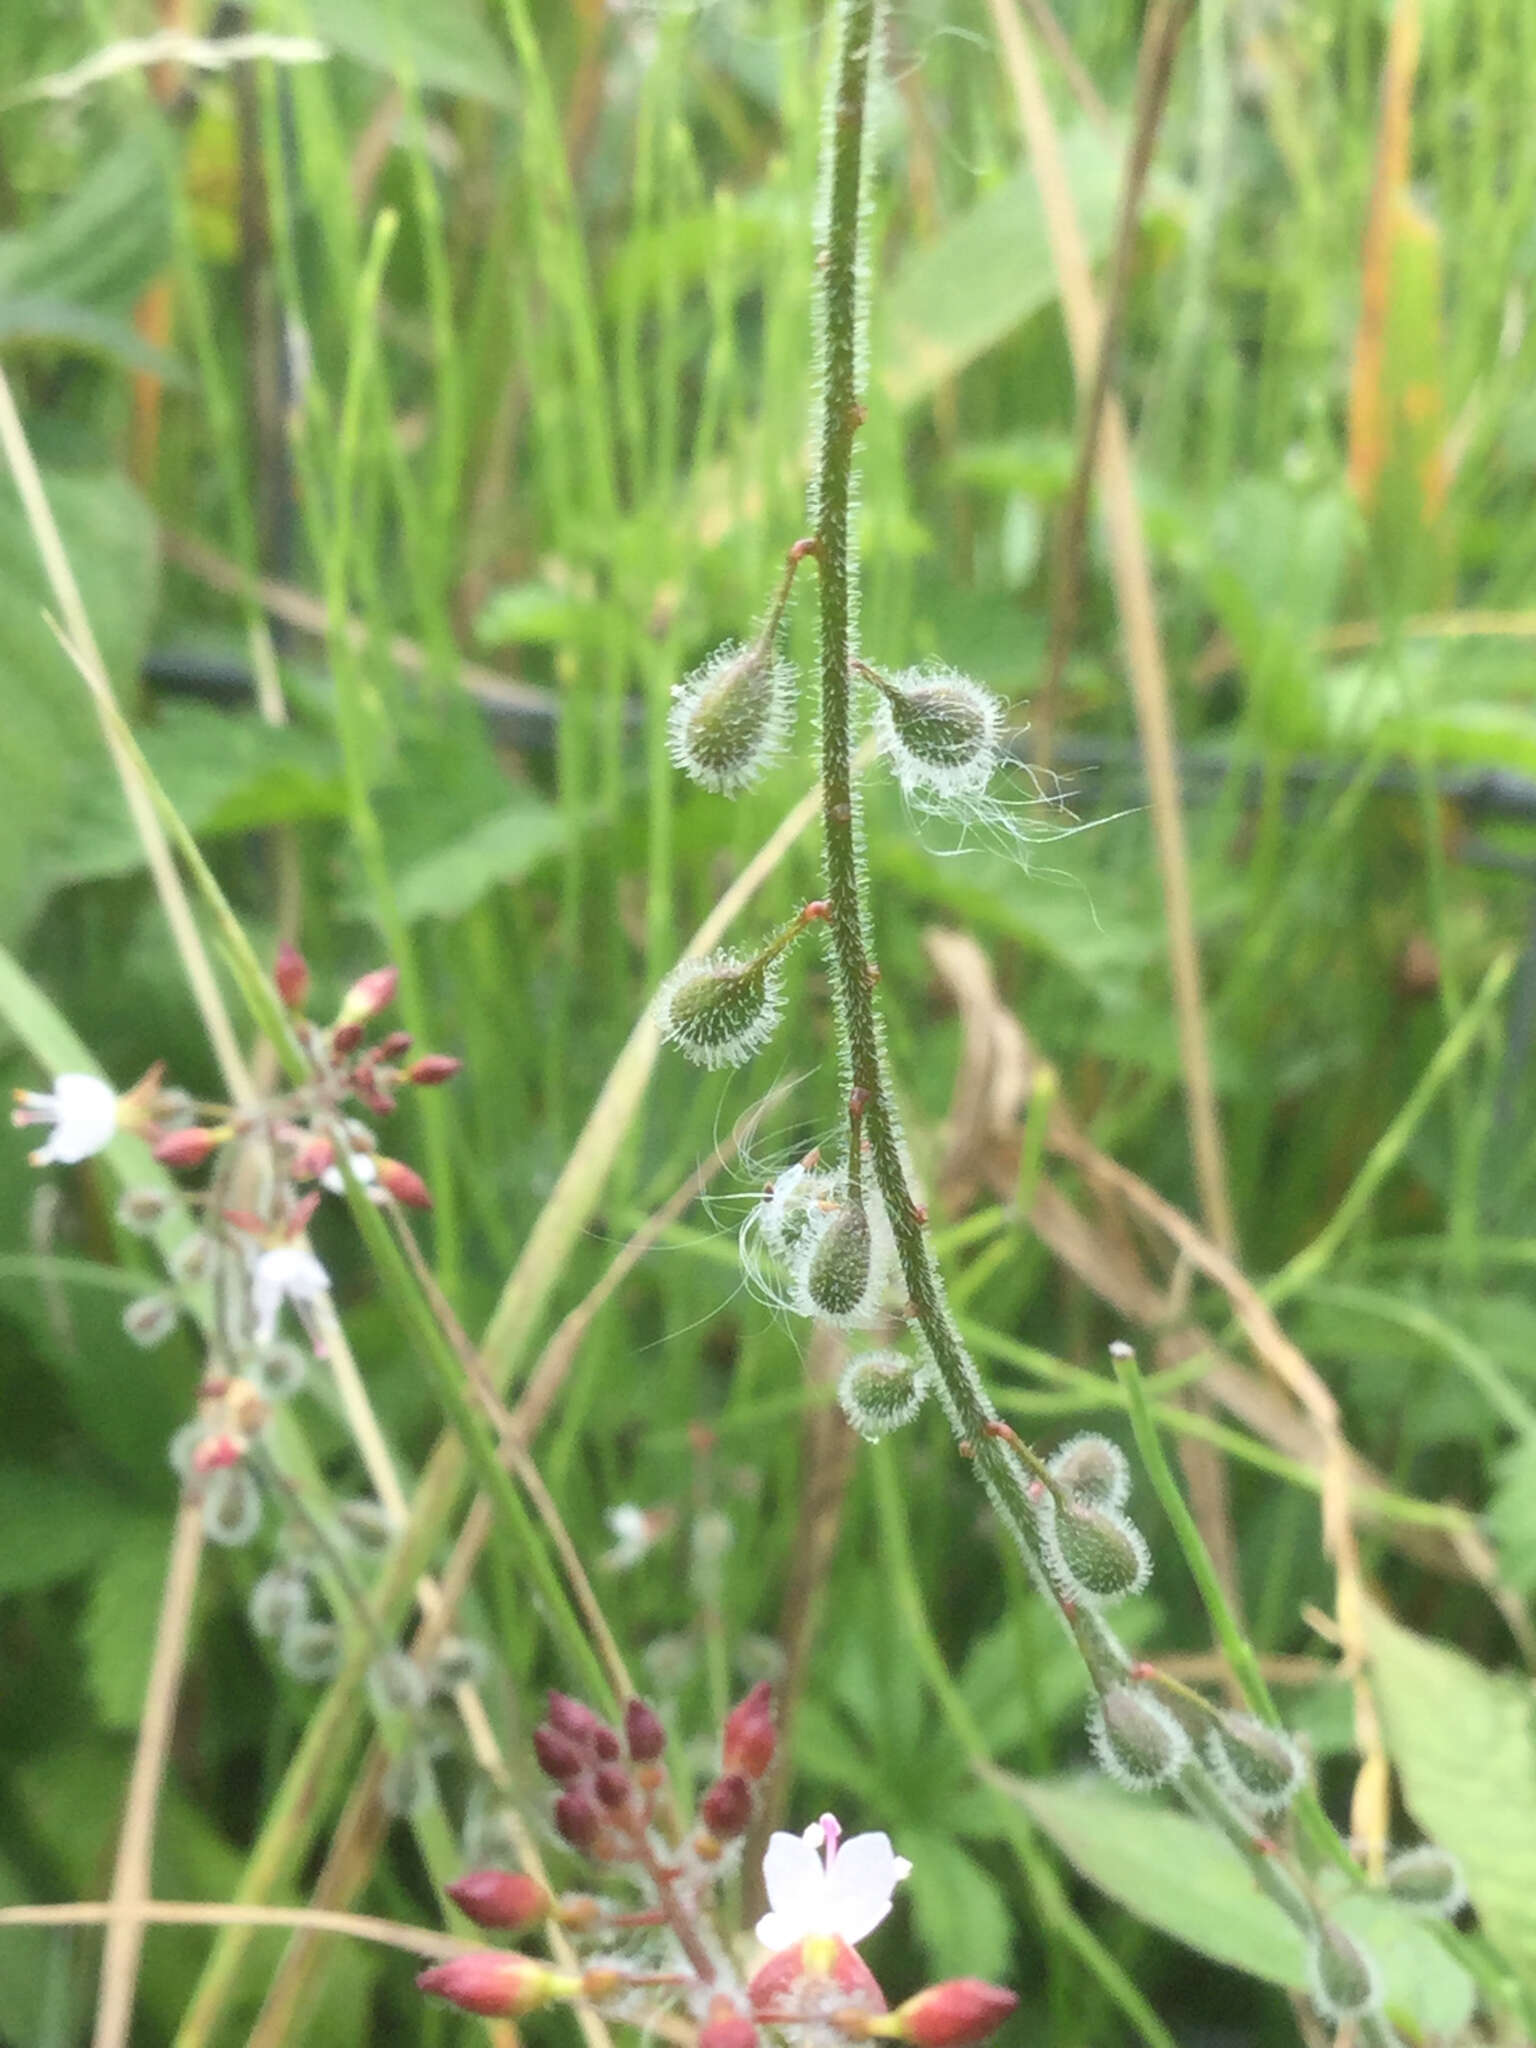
[(831, 1835)]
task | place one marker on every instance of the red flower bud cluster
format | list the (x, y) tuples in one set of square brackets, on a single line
[(747, 1751)]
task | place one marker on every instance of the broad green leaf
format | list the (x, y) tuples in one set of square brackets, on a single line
[(72, 277), (53, 762), (503, 848), (988, 271), (224, 771), (118, 1630), (1179, 1875), (447, 46), (1463, 1741), (52, 1527), (963, 1920), (1169, 1869)]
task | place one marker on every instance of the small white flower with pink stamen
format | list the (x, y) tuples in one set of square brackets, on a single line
[(82, 1109), (286, 1272), (818, 1884)]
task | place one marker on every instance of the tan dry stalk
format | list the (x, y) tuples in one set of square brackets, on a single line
[(1132, 573)]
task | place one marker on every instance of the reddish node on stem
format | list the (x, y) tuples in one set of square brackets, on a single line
[(858, 413), (821, 908), (871, 974), (919, 1212), (842, 813), (809, 546), (1143, 1670), (966, 1448), (1005, 1433), (859, 1100)]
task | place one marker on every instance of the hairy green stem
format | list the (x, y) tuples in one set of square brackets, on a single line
[(1006, 1477)]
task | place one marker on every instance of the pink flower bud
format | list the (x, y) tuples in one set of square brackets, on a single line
[(559, 1757), (750, 1734), (577, 1819), (368, 995), (726, 2027), (612, 1786), (403, 1183), (606, 1743), (643, 1732), (505, 1899), (432, 1069), (346, 1038), (495, 1984), (393, 1044), (291, 975), (313, 1157), (191, 1147), (956, 2014), (571, 1716), (726, 1808)]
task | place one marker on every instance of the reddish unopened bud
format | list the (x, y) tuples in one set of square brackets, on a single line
[(612, 1786), (578, 1911), (750, 1735), (505, 1899), (312, 1158), (403, 1183), (291, 974), (726, 2027), (368, 995), (346, 1038), (571, 1716), (559, 1757), (577, 1819), (191, 1147), (606, 1743), (953, 2015), (497, 1985), (726, 1808), (432, 1069), (393, 1044), (643, 1732)]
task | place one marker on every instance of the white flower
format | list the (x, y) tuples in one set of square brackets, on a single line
[(285, 1272), (83, 1112), (846, 1893), (633, 1535), (364, 1172)]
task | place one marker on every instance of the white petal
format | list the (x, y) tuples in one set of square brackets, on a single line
[(796, 1886), (864, 1874), (86, 1109), (775, 1932)]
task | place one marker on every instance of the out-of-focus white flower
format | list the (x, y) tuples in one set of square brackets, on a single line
[(844, 1891), (364, 1171), (634, 1530), (284, 1272), (83, 1112)]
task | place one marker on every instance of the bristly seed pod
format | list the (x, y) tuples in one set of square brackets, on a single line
[(1342, 1977), (1136, 1740), (1095, 1555), (1093, 1470), (939, 730), (731, 717), (842, 1265), (231, 1506), (1259, 1768), (150, 1319), (719, 1011), (881, 1391), (1428, 1881)]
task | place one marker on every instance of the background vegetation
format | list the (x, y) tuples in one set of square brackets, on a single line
[(414, 419)]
